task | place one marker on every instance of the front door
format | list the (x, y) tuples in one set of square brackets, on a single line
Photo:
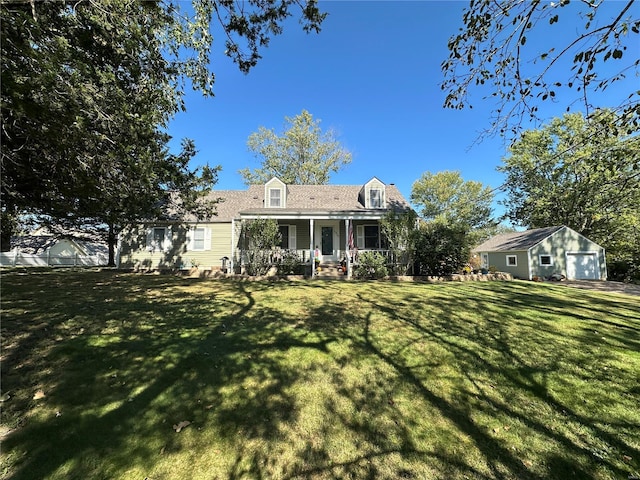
[(327, 241)]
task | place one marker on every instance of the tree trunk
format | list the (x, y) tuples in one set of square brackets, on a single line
[(112, 239), (5, 239), (7, 226)]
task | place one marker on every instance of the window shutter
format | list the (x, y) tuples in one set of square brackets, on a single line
[(292, 237), (360, 236), (190, 237), (168, 239), (150, 239), (207, 239)]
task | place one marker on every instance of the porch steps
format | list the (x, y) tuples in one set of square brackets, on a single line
[(329, 271)]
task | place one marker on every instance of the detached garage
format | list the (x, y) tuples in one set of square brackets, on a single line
[(543, 252)]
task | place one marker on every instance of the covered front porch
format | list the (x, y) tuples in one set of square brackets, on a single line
[(339, 239)]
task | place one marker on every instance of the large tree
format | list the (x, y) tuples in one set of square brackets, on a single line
[(88, 88), (302, 154), (585, 175), (494, 49), (446, 198)]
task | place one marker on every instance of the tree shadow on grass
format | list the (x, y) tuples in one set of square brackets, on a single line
[(486, 352), (220, 355), (128, 394)]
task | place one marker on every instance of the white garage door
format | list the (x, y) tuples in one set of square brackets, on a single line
[(582, 266)]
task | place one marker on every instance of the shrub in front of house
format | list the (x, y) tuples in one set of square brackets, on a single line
[(441, 250), (289, 264), (371, 265), (260, 237)]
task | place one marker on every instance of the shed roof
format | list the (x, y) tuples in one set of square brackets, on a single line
[(37, 244), (517, 241)]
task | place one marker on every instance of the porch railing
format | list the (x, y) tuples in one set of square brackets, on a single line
[(278, 255)]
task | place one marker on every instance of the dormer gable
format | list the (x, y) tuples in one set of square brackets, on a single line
[(373, 194), (275, 193)]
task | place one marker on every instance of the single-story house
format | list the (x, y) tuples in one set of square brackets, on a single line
[(543, 252), (336, 218)]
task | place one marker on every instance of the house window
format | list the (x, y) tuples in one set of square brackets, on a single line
[(275, 196), (375, 198), (284, 233), (198, 238), (159, 238), (546, 260), (485, 260), (288, 234), (512, 261), (371, 236)]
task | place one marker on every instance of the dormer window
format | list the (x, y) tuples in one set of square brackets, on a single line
[(372, 194), (275, 197), (275, 194), (375, 198)]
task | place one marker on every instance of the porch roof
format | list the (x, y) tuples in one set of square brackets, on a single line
[(308, 214)]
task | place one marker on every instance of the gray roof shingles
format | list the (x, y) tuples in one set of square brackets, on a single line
[(516, 241), (312, 198)]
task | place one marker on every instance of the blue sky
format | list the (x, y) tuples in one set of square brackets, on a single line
[(373, 76)]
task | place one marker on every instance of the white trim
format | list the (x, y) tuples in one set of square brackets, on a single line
[(233, 237), (379, 199), (291, 235), (312, 234), (364, 246), (272, 198), (191, 240), (295, 215), (335, 225), (360, 237), (375, 184), (151, 241), (541, 264), (275, 184), (508, 256)]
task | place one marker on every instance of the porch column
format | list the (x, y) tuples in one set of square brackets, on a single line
[(346, 246), (311, 248), (233, 237)]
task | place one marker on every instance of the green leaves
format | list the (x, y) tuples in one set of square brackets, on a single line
[(302, 154), (88, 89), (446, 198), (578, 172), (497, 38)]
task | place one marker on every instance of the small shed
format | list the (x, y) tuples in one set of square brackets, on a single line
[(41, 250), (58, 245), (543, 252)]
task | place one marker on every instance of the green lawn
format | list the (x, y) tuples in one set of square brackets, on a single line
[(315, 380)]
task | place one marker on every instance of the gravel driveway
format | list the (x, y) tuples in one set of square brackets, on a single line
[(616, 287)]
